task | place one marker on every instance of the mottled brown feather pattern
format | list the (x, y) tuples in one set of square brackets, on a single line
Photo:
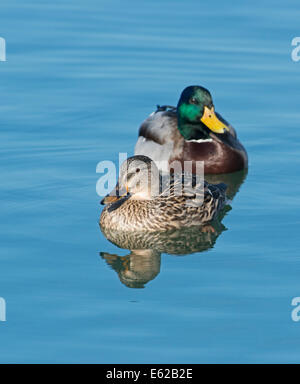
[(166, 211)]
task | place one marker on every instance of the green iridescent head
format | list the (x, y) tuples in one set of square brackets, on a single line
[(196, 115)]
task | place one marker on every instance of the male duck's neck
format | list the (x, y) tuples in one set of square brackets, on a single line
[(193, 131)]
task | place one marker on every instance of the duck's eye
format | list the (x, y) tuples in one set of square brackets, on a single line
[(137, 170), (193, 101)]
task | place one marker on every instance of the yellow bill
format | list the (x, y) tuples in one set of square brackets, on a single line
[(210, 119)]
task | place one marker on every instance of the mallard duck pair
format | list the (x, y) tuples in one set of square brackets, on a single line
[(191, 132)]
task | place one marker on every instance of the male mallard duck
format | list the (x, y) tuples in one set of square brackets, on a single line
[(137, 204), (192, 131)]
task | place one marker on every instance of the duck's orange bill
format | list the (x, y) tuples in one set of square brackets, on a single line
[(108, 199), (210, 119)]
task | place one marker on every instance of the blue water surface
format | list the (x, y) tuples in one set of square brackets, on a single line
[(80, 77)]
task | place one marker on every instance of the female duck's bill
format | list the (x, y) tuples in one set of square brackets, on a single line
[(193, 131)]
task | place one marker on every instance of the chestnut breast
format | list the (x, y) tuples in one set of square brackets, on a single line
[(217, 157)]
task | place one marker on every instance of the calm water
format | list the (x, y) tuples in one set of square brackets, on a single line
[(80, 76)]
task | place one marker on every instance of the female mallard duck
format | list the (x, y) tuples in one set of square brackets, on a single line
[(191, 132), (138, 204)]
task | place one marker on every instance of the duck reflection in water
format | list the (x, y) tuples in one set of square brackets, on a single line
[(143, 262), (137, 268)]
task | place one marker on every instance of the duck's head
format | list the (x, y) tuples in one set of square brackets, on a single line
[(139, 179), (196, 114)]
